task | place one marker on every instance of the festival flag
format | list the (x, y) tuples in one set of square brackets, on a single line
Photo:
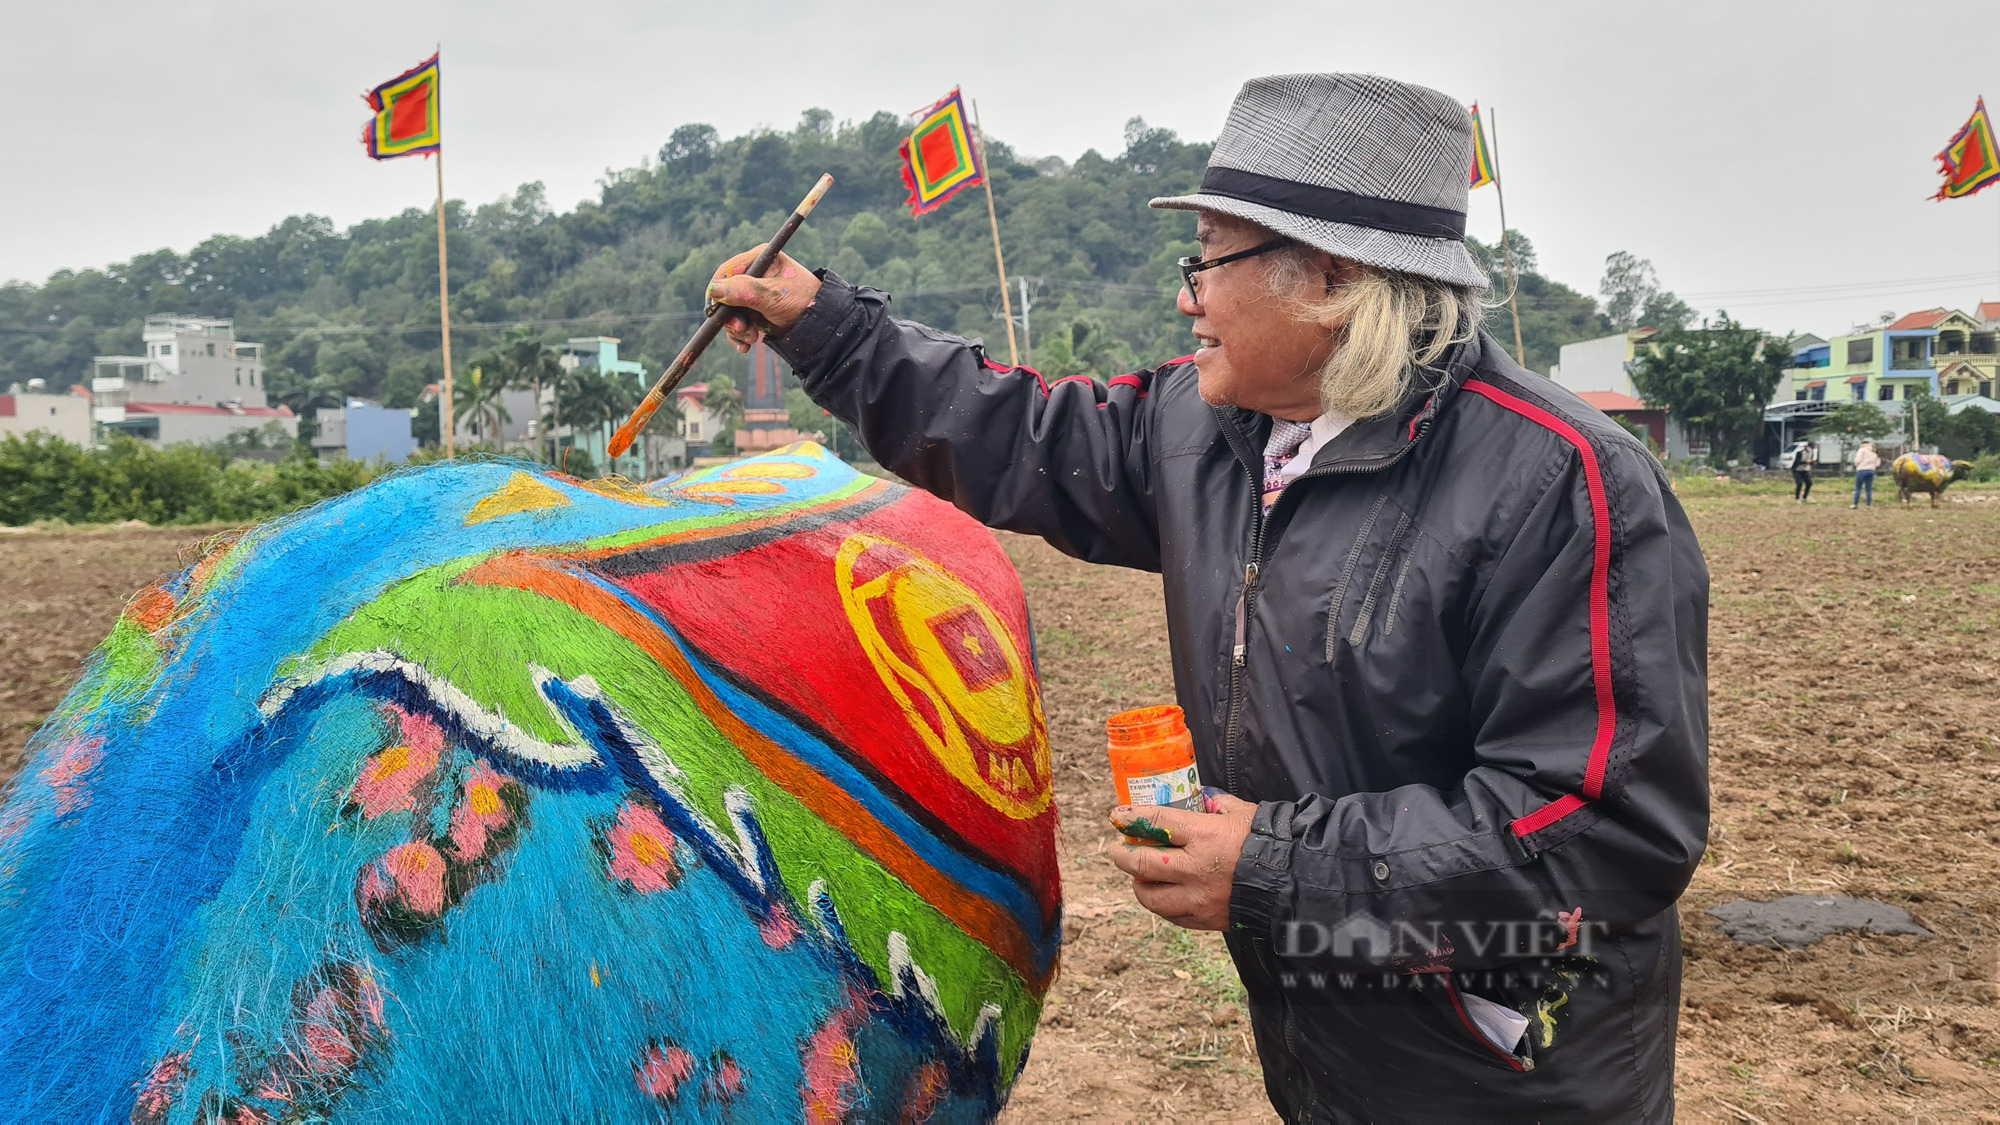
[(939, 157), (406, 114), (1970, 161), (1482, 161)]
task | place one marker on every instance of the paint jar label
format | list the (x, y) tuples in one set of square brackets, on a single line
[(1178, 788)]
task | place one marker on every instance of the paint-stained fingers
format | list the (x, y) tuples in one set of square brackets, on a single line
[(1150, 862), (776, 300), (744, 330), (1157, 824)]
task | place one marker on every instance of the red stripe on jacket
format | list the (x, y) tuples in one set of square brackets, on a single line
[(1600, 606)]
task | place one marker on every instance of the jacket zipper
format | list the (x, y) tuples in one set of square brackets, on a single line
[(1246, 600)]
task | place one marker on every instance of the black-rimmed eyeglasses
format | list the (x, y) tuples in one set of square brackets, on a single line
[(1191, 266)]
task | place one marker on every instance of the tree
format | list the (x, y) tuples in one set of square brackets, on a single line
[(590, 397), (1716, 379), (532, 364), (690, 149), (482, 403), (806, 416), (1633, 298), (1552, 314), (1854, 423), (725, 402)]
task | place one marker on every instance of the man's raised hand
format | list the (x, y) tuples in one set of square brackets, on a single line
[(771, 304)]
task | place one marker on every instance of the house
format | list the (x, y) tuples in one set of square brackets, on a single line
[(697, 426), (195, 383), (65, 416), (1600, 371), (364, 431), (1940, 351)]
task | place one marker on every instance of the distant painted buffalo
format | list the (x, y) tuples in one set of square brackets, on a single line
[(1926, 472), (488, 794)]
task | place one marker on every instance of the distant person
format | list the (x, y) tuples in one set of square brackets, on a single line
[(1804, 457), (1438, 626), (1866, 461)]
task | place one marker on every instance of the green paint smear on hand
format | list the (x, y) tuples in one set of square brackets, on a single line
[(483, 639), (1143, 829)]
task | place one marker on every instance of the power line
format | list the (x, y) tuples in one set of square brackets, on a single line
[(602, 318)]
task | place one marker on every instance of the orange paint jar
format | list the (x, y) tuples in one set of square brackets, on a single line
[(1152, 758)]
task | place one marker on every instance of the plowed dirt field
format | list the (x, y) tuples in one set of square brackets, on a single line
[(1855, 676)]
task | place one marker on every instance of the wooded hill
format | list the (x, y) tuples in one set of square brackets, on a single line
[(354, 312)]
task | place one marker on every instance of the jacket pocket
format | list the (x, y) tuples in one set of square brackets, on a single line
[(1347, 570), (1466, 1012)]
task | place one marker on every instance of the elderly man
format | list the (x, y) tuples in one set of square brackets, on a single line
[(1438, 626)]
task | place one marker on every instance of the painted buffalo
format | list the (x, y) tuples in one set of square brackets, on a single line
[(486, 793), (1926, 472)]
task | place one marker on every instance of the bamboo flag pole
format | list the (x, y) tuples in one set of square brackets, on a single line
[(446, 423), (1500, 190), (993, 217)]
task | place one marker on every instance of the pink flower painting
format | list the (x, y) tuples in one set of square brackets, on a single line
[(642, 850), (481, 812)]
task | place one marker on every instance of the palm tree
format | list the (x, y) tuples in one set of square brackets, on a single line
[(725, 402), (595, 398), (533, 364), (484, 402)]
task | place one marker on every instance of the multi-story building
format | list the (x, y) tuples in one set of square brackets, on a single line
[(1941, 352), (195, 383), (600, 353), (1938, 351)]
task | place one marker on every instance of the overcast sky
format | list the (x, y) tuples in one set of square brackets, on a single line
[(1769, 157)]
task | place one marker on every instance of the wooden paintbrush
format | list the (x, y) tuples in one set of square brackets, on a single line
[(711, 327)]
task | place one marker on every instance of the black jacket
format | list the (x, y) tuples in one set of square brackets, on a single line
[(1461, 665)]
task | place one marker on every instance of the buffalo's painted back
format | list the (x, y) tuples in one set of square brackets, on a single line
[(1923, 471), (485, 793)]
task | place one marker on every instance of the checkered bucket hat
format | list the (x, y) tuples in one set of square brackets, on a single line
[(1364, 168)]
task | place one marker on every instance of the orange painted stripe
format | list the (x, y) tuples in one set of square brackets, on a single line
[(987, 923)]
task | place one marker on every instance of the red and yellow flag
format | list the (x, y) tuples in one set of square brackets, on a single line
[(1970, 161), (939, 157), (406, 114), (1482, 161)]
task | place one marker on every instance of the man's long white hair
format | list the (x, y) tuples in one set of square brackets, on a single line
[(1397, 325)]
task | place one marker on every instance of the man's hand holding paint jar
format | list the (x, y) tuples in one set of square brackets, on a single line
[(1184, 876), (1181, 840)]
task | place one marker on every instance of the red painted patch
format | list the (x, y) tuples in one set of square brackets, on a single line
[(975, 653)]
